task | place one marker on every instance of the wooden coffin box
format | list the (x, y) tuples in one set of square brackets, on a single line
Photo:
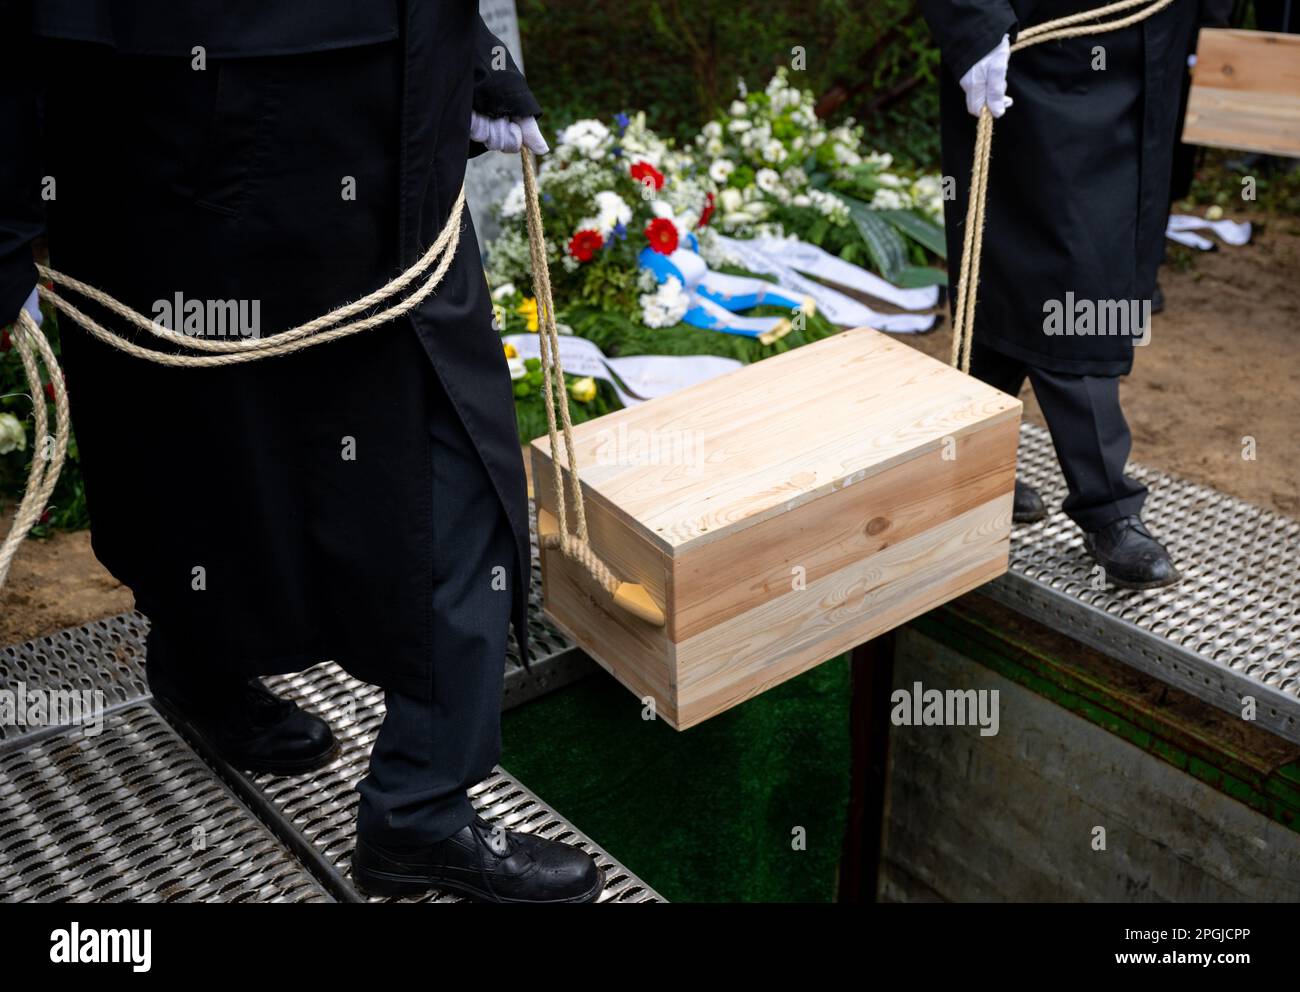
[(1245, 92), (782, 514)]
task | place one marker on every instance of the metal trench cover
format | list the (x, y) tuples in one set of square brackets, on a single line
[(131, 813), (1229, 629), (104, 658), (321, 807)]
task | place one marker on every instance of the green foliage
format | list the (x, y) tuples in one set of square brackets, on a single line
[(616, 334), (1219, 182), (530, 404), (679, 61), (67, 508)]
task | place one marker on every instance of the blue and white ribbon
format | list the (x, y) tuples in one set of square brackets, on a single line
[(715, 297)]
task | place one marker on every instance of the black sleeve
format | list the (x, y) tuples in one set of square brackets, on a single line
[(967, 30), (1215, 13), (22, 219), (500, 89)]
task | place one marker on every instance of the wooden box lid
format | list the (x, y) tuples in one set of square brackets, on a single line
[(718, 457)]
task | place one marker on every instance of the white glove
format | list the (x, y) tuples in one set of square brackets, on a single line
[(503, 134), (33, 306), (985, 82)]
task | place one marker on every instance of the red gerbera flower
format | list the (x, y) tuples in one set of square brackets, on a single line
[(643, 170), (662, 235), (708, 210), (585, 244)]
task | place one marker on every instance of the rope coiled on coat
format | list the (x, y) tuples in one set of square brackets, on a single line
[(34, 350), (1071, 26)]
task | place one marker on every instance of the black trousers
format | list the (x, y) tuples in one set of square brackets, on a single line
[(1088, 430), (429, 752)]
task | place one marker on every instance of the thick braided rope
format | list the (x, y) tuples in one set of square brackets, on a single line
[(1072, 26), (47, 459), (308, 335), (31, 343), (573, 545)]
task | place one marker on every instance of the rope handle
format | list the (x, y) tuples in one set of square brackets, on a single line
[(553, 531), (1071, 26)]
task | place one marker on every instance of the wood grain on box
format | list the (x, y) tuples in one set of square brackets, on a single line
[(1245, 92), (782, 514)]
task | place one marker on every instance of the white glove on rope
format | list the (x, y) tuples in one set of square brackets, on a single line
[(985, 82), (505, 134), (33, 306)]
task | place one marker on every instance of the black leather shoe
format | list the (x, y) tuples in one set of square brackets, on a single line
[(1027, 506), (254, 729), (1131, 557), (484, 862)]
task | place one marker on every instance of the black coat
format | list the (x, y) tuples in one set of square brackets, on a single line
[(227, 184), (1079, 183)]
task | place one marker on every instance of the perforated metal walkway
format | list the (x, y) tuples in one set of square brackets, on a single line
[(1229, 629), (137, 812)]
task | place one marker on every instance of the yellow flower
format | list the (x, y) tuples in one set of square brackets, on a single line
[(583, 390), (510, 350), (529, 309)]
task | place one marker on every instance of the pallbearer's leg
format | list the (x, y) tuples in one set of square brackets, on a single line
[(1092, 442), (416, 829), (1008, 374)]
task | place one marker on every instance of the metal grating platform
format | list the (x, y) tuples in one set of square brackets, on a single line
[(103, 656), (132, 814), (113, 816), (321, 808), (1230, 629)]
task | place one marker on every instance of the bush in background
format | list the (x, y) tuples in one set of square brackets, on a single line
[(679, 60)]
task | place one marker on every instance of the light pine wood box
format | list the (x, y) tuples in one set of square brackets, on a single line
[(782, 514), (1245, 92)]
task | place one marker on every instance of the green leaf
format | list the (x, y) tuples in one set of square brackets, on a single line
[(884, 244), (915, 276), (918, 228)]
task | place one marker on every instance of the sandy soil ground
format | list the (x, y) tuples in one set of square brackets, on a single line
[(1221, 367)]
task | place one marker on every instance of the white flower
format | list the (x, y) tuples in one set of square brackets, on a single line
[(890, 180), (712, 130), (738, 125), (802, 200), (517, 368), (588, 136), (504, 290), (721, 169), (714, 146), (13, 436), (612, 210), (767, 180), (513, 204), (666, 305), (738, 108), (773, 151), (730, 200), (830, 206), (888, 199)]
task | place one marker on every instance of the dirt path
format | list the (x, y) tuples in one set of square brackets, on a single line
[(1221, 367)]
